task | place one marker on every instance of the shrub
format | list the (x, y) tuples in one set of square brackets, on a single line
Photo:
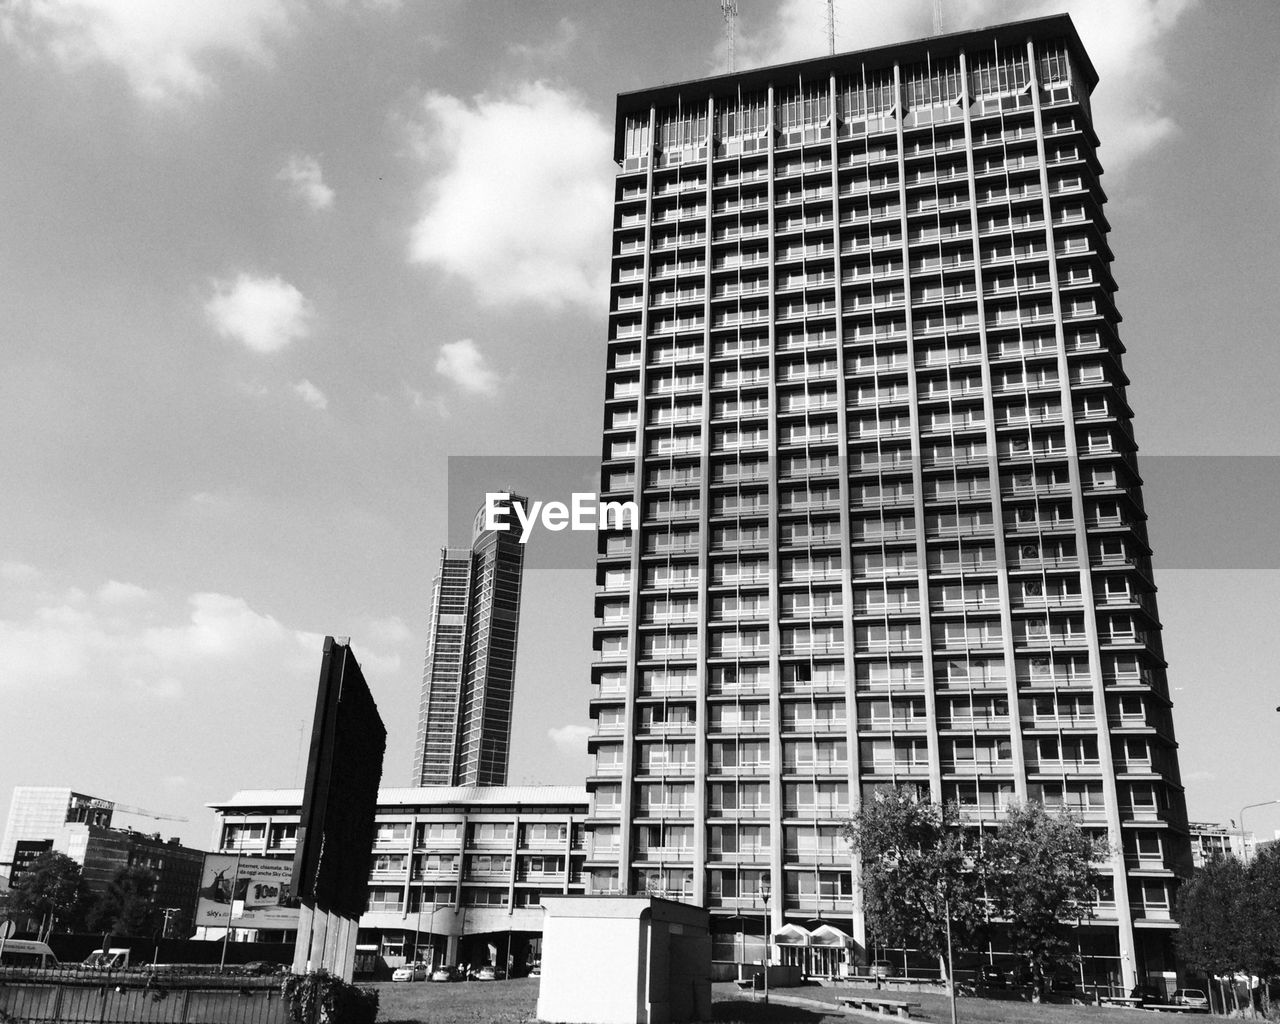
[(320, 998)]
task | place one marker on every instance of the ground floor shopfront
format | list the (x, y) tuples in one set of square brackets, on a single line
[(825, 949)]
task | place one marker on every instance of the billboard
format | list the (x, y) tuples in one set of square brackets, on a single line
[(248, 892), (344, 768)]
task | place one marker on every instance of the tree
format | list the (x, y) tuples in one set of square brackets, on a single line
[(1208, 912), (52, 892), (1041, 883), (916, 877), (128, 905)]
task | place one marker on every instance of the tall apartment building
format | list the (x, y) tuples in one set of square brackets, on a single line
[(865, 378), (464, 717)]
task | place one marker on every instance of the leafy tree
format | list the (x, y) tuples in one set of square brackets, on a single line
[(916, 873), (1041, 883), (128, 905), (1208, 912), (52, 892)]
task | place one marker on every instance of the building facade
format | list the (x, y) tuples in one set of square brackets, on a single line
[(45, 819), (1210, 841), (865, 378), (456, 873), (464, 718), (38, 813)]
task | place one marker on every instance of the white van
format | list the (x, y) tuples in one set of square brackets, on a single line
[(113, 959), (26, 953)]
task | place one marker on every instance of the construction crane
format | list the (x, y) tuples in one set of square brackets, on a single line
[(729, 9), (831, 28), (937, 17), (146, 814)]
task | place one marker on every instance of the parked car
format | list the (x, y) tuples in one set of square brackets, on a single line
[(990, 976), (485, 973), (1192, 999), (114, 959), (410, 972), (536, 970), (446, 973), (1148, 995), (260, 967), (883, 969)]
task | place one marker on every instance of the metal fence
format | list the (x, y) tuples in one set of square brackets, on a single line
[(139, 996)]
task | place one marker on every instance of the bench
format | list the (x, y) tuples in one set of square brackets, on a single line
[(879, 1005)]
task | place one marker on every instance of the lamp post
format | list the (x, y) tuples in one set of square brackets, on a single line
[(1244, 846), (764, 898)]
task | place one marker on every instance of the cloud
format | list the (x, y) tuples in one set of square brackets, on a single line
[(263, 313), (164, 48), (18, 572), (306, 181), (423, 403), (120, 639), (462, 363), (128, 640), (1124, 40), (558, 47), (311, 394), (517, 197), (570, 739)]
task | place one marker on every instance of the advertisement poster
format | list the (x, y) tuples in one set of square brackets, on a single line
[(248, 892)]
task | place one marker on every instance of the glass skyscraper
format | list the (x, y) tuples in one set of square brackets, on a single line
[(464, 718), (865, 378)]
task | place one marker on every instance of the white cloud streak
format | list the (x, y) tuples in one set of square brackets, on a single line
[(311, 394), (125, 639), (163, 47), (463, 364), (306, 181), (570, 739), (517, 197), (265, 314)]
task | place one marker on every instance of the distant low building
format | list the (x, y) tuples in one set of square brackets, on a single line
[(44, 819), (456, 873), (1210, 841)]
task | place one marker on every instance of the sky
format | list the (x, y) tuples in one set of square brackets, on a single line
[(267, 266)]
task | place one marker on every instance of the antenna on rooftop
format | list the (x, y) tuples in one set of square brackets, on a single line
[(729, 8), (831, 28), (937, 17)]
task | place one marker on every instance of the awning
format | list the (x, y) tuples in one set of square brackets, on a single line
[(828, 935), (791, 935)]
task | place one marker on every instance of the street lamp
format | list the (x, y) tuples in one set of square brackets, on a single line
[(763, 892), (1244, 846)]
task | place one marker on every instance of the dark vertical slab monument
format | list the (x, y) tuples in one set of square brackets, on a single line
[(335, 833)]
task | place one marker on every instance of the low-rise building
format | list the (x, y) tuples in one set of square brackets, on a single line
[(456, 873), (1210, 841)]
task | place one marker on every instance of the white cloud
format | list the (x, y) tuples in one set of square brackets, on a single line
[(163, 47), (311, 394), (263, 313), (1124, 40), (18, 572), (462, 363), (517, 197), (423, 403), (570, 739), (558, 47), (306, 181), (130, 640)]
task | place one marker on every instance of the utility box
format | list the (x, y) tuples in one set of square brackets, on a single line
[(624, 960)]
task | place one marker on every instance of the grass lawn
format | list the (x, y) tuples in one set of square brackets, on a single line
[(515, 1002)]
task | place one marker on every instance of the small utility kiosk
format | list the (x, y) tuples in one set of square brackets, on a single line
[(624, 960)]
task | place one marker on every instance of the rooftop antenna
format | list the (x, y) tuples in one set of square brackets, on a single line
[(729, 8), (937, 17), (831, 27)]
